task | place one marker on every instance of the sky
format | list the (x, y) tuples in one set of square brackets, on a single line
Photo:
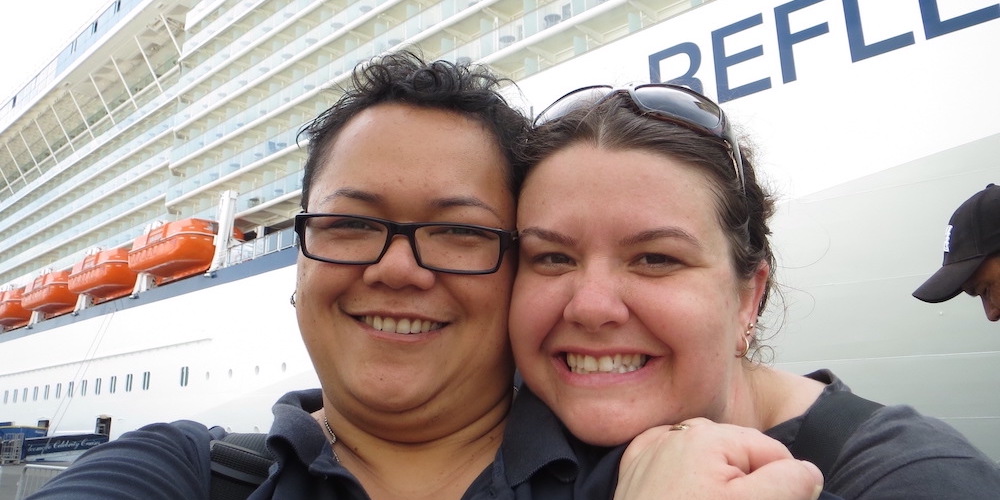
[(33, 32)]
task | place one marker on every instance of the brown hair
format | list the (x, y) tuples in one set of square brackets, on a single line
[(404, 77)]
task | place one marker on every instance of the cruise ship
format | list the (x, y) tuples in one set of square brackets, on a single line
[(150, 174)]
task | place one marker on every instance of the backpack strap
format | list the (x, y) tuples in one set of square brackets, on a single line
[(240, 463), (828, 425)]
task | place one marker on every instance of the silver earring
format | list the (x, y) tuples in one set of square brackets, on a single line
[(291, 300)]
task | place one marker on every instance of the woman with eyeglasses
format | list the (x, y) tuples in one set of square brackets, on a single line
[(403, 284), (644, 266)]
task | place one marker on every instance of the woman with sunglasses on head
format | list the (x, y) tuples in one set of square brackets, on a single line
[(403, 284), (644, 265)]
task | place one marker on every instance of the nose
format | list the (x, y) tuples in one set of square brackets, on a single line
[(991, 307), (596, 303), (398, 268)]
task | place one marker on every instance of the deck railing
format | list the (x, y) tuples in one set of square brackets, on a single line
[(33, 477)]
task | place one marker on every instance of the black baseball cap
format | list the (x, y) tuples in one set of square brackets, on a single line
[(972, 235)]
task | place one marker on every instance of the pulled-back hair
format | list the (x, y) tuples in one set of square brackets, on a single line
[(405, 78), (614, 124)]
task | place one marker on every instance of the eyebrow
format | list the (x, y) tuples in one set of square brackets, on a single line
[(354, 194), (547, 235), (661, 232), (440, 203), (638, 238)]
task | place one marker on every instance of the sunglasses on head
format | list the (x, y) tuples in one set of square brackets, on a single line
[(662, 101)]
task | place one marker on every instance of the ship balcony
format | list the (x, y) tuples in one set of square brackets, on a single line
[(66, 230)]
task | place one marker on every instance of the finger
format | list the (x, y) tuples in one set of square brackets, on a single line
[(787, 479), (753, 450)]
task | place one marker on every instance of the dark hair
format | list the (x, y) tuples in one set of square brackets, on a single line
[(403, 77), (616, 125)]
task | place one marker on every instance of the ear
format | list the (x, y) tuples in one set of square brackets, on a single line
[(753, 291)]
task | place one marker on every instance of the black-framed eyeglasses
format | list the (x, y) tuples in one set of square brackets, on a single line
[(663, 101), (438, 246)]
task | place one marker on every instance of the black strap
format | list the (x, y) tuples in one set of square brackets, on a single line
[(828, 425), (240, 463)]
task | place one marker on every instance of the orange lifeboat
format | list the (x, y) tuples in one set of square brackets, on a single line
[(12, 313), (49, 294), (175, 250), (104, 275)]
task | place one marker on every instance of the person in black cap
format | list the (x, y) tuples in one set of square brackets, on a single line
[(971, 254)]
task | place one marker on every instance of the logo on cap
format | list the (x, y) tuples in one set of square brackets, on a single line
[(947, 238)]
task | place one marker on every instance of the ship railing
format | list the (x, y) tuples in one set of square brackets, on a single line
[(93, 223), (103, 130), (278, 188), (213, 27), (26, 212), (253, 73), (263, 151), (274, 242), (106, 159), (531, 23), (88, 36), (34, 476), (287, 92)]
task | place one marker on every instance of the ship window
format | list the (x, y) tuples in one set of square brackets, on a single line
[(46, 394), (24, 395), (112, 383), (128, 383), (97, 386), (34, 394), (184, 376), (83, 388), (59, 390), (6, 396), (145, 381), (69, 389)]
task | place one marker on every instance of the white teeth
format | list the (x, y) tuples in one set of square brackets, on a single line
[(619, 363), (401, 325)]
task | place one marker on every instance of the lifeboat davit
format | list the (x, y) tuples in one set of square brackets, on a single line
[(104, 275), (12, 313), (49, 294), (175, 250)]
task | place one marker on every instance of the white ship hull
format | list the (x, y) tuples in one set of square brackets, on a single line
[(236, 342)]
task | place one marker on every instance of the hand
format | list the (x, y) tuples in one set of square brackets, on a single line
[(706, 460)]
